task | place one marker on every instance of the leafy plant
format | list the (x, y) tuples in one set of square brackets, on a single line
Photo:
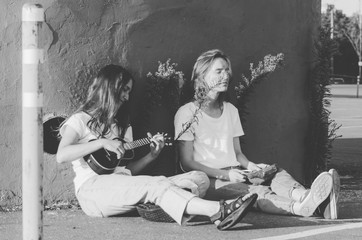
[(162, 96), (162, 90), (322, 129), (247, 85)]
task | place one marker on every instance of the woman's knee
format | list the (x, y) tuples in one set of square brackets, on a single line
[(202, 181), (200, 177), (261, 190), (284, 181), (195, 181)]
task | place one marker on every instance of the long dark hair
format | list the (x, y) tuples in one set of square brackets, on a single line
[(103, 100)]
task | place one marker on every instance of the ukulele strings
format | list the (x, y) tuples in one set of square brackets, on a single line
[(137, 143)]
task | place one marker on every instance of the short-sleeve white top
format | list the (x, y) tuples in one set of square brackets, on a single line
[(212, 137), (78, 122)]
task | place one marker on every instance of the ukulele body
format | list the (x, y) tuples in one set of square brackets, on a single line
[(105, 162)]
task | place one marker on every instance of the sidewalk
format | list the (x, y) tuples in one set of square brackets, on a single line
[(74, 224), (346, 158)]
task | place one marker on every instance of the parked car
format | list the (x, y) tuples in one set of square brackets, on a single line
[(336, 80)]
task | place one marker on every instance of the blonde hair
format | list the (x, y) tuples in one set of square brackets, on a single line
[(202, 66)]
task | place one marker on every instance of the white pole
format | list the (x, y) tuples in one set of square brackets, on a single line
[(360, 49), (32, 131), (332, 36)]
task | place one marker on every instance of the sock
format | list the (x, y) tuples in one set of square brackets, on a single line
[(299, 194)]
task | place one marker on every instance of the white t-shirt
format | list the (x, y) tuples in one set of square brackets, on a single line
[(78, 122), (212, 137)]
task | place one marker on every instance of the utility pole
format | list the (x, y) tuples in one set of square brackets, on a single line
[(332, 36), (360, 48)]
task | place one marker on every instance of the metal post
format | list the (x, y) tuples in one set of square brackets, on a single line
[(332, 36), (358, 80), (32, 131), (360, 48)]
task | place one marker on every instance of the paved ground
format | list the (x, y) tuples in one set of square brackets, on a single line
[(346, 110), (346, 158), (59, 225)]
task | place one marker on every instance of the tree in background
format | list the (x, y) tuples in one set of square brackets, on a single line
[(346, 34), (322, 129)]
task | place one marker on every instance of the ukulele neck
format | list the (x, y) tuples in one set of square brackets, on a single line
[(136, 144)]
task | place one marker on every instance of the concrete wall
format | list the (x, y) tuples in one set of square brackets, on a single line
[(81, 36)]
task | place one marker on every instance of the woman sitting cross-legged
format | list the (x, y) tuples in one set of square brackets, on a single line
[(96, 125), (211, 145)]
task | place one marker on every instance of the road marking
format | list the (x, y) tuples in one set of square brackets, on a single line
[(313, 232), (352, 127)]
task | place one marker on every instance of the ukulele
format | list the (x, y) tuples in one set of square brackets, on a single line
[(103, 161)]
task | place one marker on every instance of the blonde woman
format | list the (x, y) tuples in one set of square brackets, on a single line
[(212, 145)]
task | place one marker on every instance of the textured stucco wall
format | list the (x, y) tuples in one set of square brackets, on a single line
[(81, 36)]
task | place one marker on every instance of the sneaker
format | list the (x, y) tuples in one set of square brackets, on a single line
[(320, 190), (331, 210)]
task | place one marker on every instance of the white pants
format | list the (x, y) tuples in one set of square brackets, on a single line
[(275, 198), (114, 194)]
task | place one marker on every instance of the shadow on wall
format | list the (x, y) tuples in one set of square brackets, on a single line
[(174, 38), (87, 35)]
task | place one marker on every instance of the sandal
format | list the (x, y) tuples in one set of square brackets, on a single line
[(231, 213)]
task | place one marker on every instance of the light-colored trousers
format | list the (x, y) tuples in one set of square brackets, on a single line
[(275, 199), (114, 194)]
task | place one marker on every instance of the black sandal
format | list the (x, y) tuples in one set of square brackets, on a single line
[(231, 213)]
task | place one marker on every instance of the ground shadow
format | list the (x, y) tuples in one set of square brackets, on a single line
[(347, 160), (259, 220)]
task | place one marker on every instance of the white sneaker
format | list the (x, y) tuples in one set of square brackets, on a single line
[(331, 210), (321, 188)]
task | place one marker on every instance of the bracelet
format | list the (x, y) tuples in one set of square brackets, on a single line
[(221, 177)]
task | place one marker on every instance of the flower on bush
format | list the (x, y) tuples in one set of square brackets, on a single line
[(164, 86), (162, 90), (268, 65), (167, 71)]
